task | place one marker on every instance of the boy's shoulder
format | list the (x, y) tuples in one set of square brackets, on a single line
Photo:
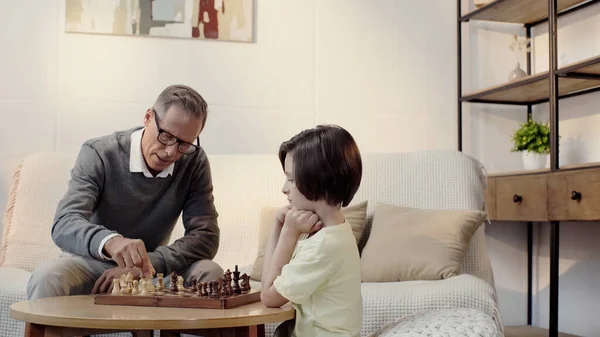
[(330, 241)]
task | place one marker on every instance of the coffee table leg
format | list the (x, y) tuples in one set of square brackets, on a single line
[(255, 331), (37, 330), (34, 330), (167, 333)]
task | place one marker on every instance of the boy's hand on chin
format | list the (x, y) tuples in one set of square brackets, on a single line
[(302, 221), (281, 213)]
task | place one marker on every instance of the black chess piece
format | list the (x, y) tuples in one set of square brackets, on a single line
[(173, 282), (215, 289), (203, 291), (236, 279), (194, 284), (245, 286), (222, 287), (209, 290)]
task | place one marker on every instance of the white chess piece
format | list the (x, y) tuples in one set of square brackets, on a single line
[(144, 287), (135, 290), (116, 290)]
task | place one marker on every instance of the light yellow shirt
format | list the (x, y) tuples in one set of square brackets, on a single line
[(322, 281)]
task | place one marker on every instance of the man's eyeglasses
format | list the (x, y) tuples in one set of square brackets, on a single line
[(165, 138)]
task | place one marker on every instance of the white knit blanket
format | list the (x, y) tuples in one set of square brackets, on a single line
[(442, 323), (387, 302)]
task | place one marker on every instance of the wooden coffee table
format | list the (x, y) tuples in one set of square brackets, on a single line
[(78, 315)]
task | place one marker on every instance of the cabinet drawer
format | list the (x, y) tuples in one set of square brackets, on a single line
[(490, 198), (574, 195), (521, 198)]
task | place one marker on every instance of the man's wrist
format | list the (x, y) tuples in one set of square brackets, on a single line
[(102, 248)]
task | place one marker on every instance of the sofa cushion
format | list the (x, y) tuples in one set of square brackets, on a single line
[(36, 188), (417, 244), (355, 214)]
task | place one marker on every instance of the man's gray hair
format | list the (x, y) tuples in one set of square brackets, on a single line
[(184, 96)]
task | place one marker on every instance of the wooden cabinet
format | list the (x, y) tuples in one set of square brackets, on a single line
[(574, 195), (521, 198), (552, 196)]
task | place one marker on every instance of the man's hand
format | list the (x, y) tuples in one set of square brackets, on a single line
[(104, 282), (301, 221), (129, 253)]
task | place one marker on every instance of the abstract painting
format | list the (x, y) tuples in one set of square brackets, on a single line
[(227, 20)]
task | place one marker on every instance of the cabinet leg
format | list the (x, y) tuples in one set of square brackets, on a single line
[(529, 271), (554, 278)]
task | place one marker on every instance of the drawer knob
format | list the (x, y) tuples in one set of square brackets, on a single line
[(575, 195), (517, 198)]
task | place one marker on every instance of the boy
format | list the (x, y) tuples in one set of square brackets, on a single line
[(312, 259)]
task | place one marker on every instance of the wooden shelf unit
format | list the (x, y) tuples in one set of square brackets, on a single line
[(519, 11), (576, 79), (556, 194)]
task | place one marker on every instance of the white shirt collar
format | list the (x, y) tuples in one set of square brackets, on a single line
[(136, 159)]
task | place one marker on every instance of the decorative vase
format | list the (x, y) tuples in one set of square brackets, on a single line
[(516, 73), (534, 161)]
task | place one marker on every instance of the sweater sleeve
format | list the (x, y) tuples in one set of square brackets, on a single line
[(201, 238), (72, 230)]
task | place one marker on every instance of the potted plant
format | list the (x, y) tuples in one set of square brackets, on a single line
[(533, 140)]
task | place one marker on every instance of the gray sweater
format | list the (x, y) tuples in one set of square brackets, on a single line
[(104, 197)]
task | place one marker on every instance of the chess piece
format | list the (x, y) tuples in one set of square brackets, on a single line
[(209, 291), (173, 283), (116, 290), (180, 286), (245, 285), (150, 286), (228, 288), (144, 287), (222, 286), (194, 284), (123, 281), (203, 291), (215, 289), (160, 286), (135, 290), (236, 279)]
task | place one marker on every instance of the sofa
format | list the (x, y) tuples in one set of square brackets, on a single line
[(243, 186)]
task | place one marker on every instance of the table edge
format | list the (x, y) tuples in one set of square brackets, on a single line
[(120, 324)]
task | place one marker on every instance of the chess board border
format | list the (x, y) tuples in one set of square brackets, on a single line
[(176, 300)]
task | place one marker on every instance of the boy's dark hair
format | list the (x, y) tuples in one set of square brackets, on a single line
[(327, 164)]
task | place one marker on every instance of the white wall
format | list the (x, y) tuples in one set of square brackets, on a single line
[(488, 129), (382, 71)]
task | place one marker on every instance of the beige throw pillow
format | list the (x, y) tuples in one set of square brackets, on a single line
[(417, 244), (355, 214)]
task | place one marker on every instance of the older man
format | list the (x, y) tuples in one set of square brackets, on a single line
[(124, 197)]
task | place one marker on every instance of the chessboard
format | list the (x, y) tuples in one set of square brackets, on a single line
[(225, 292)]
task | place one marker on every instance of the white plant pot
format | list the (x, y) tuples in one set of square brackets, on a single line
[(534, 161)]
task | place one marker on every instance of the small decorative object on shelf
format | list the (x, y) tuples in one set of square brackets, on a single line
[(516, 73), (518, 44), (533, 140), (481, 3)]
